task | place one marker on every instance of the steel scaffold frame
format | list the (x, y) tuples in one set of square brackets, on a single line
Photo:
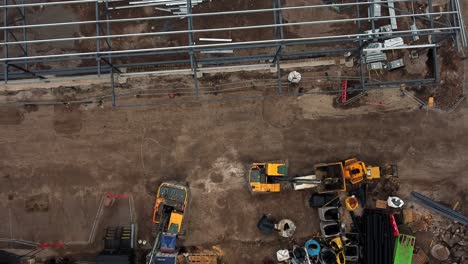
[(104, 56), (23, 45)]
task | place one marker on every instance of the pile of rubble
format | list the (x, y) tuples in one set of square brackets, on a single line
[(449, 241), (454, 237)]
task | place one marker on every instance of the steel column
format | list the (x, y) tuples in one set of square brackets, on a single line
[(193, 61), (113, 88), (109, 56), (361, 56), (454, 23), (436, 64), (372, 16), (5, 36), (109, 46), (278, 34), (98, 40), (434, 50)]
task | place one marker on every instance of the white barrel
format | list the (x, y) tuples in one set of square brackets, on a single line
[(294, 77), (282, 255)]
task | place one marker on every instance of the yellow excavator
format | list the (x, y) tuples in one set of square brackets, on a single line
[(266, 177), (328, 177), (271, 176), (168, 215), (356, 171), (169, 207)]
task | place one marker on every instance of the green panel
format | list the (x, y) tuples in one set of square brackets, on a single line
[(404, 247)]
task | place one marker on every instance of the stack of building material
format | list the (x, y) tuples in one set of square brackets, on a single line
[(395, 64), (394, 42), (374, 58), (178, 7)]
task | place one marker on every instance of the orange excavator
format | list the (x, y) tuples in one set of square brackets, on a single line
[(356, 171)]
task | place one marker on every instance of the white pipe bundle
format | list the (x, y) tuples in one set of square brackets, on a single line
[(178, 7)]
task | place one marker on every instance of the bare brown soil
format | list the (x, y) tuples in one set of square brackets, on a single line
[(72, 155), (58, 161)]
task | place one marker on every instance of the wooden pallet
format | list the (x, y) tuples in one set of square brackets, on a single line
[(200, 258), (420, 258)]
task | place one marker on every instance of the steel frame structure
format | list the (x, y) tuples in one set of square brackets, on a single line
[(105, 55)]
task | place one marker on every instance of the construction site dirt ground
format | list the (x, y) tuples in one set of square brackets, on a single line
[(64, 158), (58, 161)]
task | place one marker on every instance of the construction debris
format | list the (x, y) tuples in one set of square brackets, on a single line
[(452, 236), (418, 226), (440, 252)]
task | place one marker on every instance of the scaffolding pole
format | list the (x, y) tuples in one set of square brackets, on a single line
[(265, 26), (455, 23), (98, 41), (434, 49), (193, 61), (461, 23), (278, 34), (245, 44), (109, 57), (5, 37), (361, 46)]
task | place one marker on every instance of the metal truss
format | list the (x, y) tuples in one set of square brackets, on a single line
[(108, 61)]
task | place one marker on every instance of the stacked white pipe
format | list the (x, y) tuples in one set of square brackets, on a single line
[(177, 7)]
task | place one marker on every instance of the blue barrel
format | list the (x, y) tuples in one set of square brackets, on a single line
[(313, 247)]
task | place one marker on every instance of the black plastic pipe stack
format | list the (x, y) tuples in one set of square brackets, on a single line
[(378, 237)]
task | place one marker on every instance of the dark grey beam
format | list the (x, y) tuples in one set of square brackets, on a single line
[(193, 61), (114, 104), (5, 36), (361, 56), (98, 40), (109, 56), (28, 71), (410, 82), (439, 208), (279, 34)]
